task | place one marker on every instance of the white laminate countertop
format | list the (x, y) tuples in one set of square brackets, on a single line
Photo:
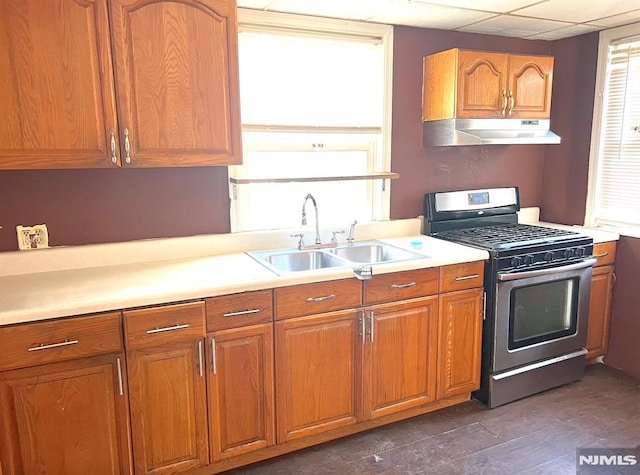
[(33, 296), (532, 216)]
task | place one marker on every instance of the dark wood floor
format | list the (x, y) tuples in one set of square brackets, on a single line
[(536, 435)]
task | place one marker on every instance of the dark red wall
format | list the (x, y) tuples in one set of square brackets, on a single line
[(426, 169)]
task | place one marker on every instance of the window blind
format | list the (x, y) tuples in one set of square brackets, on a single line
[(618, 183)]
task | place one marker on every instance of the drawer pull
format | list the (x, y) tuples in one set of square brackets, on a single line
[(598, 256), (467, 277), (403, 286), (321, 299), (42, 346), (243, 312), (168, 329)]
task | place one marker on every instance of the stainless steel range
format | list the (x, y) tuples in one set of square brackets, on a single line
[(537, 284)]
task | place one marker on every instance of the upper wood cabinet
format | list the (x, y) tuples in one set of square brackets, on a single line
[(176, 75), (482, 85)]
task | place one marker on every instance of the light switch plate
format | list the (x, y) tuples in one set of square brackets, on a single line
[(32, 237)]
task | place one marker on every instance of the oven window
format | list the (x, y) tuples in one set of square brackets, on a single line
[(543, 312)]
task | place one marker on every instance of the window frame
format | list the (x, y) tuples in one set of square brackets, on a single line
[(606, 37), (256, 20)]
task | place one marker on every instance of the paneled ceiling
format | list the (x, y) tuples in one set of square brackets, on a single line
[(530, 19)]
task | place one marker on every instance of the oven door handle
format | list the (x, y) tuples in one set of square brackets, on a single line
[(552, 270)]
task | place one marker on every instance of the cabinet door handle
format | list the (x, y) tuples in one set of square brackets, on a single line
[(403, 286), (604, 254), (168, 329), (321, 299), (371, 322), (242, 312), (504, 103), (114, 159), (119, 367), (512, 101), (214, 359), (363, 328), (127, 146), (200, 359), (42, 346), (468, 277)]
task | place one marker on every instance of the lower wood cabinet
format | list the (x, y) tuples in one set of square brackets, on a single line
[(318, 368), (400, 354), (459, 342), (241, 390), (65, 418), (602, 281)]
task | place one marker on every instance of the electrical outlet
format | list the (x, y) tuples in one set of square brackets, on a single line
[(32, 237)]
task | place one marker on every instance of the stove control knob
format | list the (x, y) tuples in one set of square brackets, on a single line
[(548, 256), (580, 251), (516, 261), (528, 259), (571, 252)]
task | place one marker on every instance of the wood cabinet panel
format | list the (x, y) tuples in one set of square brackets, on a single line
[(241, 390), (482, 80), (461, 276), (605, 253), (459, 342), (58, 100), (168, 408), (401, 285), (66, 418), (309, 299), (178, 104), (400, 356), (168, 324), (247, 308), (318, 376), (50, 341), (530, 81), (600, 311)]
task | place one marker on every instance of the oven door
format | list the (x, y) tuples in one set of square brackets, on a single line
[(541, 314)]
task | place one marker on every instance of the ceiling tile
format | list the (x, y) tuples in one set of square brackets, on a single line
[(256, 4), (578, 11), (351, 9), (560, 33), (508, 25), (430, 16), (497, 6), (617, 20)]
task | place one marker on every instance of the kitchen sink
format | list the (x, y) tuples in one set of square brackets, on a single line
[(373, 252), (365, 253)]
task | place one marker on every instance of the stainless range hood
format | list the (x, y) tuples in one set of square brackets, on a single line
[(453, 132)]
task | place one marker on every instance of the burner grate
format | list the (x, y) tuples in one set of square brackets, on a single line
[(506, 235)]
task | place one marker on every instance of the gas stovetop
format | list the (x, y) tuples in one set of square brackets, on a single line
[(508, 236)]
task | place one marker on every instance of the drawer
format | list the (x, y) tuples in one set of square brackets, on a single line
[(605, 252), (51, 341), (237, 310), (462, 276), (308, 299), (401, 285), (164, 325)]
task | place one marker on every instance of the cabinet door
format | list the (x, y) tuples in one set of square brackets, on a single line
[(177, 76), (459, 342), (600, 311), (482, 83), (318, 373), (241, 390), (69, 418), (400, 356), (168, 408), (57, 101), (530, 79)]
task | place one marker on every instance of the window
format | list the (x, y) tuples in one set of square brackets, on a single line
[(614, 175), (315, 96)]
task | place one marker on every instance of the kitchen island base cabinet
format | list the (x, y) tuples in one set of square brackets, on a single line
[(400, 356), (69, 417), (241, 390), (318, 373)]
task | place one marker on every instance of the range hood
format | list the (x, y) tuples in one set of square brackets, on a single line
[(453, 132)]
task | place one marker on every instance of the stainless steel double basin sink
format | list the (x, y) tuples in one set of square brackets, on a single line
[(359, 254)]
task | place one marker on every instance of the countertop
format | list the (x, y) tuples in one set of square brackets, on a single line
[(65, 292)]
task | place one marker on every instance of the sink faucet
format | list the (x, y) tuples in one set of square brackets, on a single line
[(352, 228), (304, 214)]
